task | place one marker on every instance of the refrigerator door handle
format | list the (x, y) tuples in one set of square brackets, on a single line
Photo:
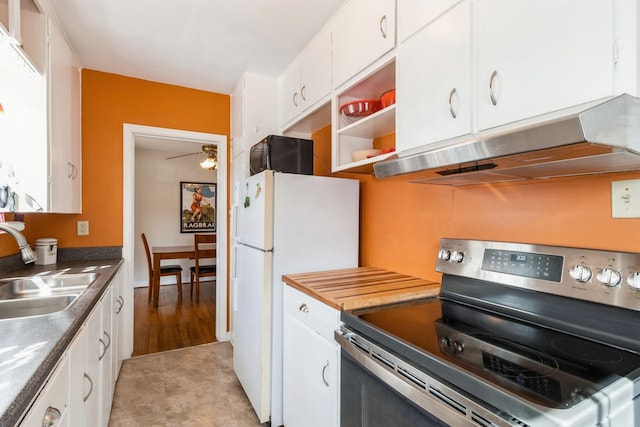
[(255, 247)]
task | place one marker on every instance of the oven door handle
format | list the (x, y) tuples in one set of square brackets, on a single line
[(429, 395)]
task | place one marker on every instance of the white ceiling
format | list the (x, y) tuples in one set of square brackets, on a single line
[(201, 44)]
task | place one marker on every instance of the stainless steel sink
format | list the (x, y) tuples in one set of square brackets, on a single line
[(38, 295), (40, 286), (28, 307)]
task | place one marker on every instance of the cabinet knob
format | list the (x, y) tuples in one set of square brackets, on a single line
[(304, 308)]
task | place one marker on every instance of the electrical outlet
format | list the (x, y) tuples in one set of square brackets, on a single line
[(83, 228), (625, 199)]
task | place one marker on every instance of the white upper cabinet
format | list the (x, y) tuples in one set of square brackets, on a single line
[(40, 167), (539, 56), (31, 33), (306, 80), (434, 91), (64, 126), (23, 134), (253, 117), (415, 14), (289, 99), (362, 32)]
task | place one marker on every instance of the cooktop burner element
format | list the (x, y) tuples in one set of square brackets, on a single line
[(543, 333)]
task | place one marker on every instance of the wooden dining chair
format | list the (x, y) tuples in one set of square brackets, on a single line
[(165, 270), (202, 252)]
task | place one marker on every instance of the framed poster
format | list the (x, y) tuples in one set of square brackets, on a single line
[(197, 207)]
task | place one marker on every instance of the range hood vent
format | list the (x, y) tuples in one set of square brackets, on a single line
[(601, 139)]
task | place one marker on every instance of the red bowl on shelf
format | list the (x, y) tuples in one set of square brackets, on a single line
[(388, 98), (360, 107)]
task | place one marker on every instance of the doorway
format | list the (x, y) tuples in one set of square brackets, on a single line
[(133, 133)]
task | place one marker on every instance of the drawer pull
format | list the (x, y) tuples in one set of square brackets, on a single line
[(51, 417), (304, 308)]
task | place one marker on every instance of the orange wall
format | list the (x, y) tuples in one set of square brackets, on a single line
[(109, 101), (402, 223)]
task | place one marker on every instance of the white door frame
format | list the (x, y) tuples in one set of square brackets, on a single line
[(130, 131)]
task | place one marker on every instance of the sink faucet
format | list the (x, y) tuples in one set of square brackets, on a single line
[(28, 255)]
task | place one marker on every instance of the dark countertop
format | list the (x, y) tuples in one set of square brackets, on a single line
[(30, 348)]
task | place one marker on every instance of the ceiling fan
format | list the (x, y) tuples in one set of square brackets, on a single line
[(210, 162)]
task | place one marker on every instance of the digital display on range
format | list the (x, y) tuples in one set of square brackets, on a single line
[(525, 264)]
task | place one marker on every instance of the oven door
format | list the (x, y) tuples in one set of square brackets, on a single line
[(367, 401), (377, 388)]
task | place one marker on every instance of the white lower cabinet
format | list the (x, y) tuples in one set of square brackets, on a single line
[(311, 362), (90, 380), (51, 408), (91, 364), (106, 357), (85, 373)]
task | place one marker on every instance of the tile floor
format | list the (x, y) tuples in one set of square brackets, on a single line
[(193, 386)]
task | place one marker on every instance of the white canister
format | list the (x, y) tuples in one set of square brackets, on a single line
[(47, 251)]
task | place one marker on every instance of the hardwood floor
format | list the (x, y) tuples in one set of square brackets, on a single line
[(174, 324)]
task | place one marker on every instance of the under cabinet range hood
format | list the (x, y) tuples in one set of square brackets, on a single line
[(603, 138)]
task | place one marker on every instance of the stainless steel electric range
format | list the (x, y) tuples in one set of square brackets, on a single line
[(520, 335)]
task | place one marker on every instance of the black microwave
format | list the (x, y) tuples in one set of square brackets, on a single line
[(282, 154)]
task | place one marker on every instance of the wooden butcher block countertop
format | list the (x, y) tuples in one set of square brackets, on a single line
[(353, 288)]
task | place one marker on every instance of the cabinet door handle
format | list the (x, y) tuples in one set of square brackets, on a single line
[(121, 302), (51, 417), (383, 26), (302, 92), (304, 308), (85, 398), (324, 373), (104, 349), (108, 340), (105, 346), (494, 101), (451, 109), (295, 98), (73, 171)]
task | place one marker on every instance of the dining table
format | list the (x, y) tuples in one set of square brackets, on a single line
[(175, 252)]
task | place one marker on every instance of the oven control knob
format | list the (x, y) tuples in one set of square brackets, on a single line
[(609, 277), (634, 280), (445, 341), (457, 256), (581, 273), (444, 254), (458, 346)]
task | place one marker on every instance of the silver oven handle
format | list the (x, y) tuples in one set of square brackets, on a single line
[(420, 389)]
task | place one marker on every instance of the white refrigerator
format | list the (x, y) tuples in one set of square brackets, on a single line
[(284, 224)]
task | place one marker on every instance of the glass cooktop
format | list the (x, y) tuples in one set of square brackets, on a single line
[(547, 367)]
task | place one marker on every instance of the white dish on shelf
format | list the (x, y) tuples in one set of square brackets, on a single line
[(356, 156)]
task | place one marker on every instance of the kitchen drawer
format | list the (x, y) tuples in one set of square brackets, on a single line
[(313, 313), (53, 401)]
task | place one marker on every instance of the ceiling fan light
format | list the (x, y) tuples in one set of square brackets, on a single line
[(210, 163)]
